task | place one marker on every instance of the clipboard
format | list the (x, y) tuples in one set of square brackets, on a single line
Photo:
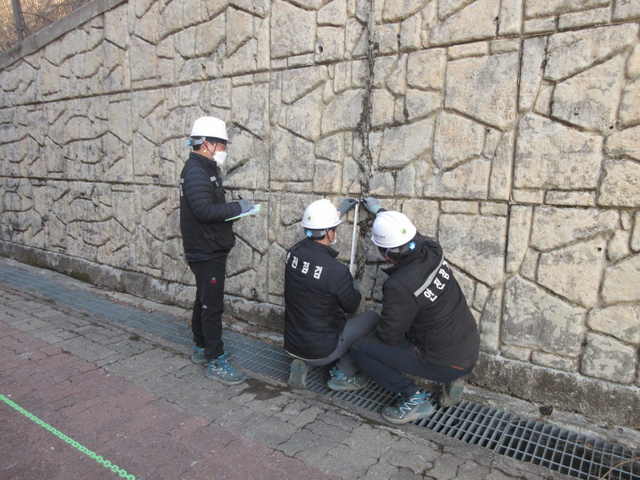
[(252, 211)]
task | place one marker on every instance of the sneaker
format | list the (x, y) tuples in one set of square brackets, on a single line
[(340, 382), (450, 393), (220, 369), (298, 375), (409, 409), (198, 355)]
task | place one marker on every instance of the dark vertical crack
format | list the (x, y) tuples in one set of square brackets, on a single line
[(363, 130)]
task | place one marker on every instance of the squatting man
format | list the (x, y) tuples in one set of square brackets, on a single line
[(318, 293), (425, 327)]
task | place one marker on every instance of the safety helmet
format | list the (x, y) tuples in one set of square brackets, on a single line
[(208, 127), (392, 229), (319, 217)]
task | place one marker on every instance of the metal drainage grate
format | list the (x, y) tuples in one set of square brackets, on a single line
[(568, 452), (536, 442), (505, 433)]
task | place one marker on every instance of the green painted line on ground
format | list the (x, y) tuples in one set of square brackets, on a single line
[(70, 441)]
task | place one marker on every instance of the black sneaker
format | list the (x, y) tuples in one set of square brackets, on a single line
[(450, 393)]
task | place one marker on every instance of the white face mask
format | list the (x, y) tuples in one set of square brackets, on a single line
[(220, 157), (335, 238)]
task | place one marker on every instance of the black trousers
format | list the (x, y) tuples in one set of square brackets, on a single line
[(386, 364), (206, 319)]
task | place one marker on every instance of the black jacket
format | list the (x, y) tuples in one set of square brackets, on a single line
[(203, 210), (317, 291), (431, 313)]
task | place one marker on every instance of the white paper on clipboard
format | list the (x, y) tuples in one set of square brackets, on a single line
[(252, 211)]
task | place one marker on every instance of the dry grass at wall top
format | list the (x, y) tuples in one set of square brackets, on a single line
[(37, 14)]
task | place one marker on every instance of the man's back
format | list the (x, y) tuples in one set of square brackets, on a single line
[(423, 301), (318, 289)]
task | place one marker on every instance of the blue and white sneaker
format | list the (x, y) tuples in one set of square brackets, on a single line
[(198, 355), (407, 410), (340, 382), (221, 370)]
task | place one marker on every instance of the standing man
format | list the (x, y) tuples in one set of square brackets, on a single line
[(426, 328), (207, 239), (318, 291)]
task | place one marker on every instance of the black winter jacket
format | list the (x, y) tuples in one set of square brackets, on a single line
[(317, 291), (431, 312), (203, 210)]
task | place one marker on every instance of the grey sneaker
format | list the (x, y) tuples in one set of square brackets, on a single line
[(450, 393), (198, 355), (340, 382), (407, 410), (221, 370), (298, 375)]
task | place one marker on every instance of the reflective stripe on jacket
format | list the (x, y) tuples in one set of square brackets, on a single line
[(431, 312)]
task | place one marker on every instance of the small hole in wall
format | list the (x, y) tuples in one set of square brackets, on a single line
[(319, 49)]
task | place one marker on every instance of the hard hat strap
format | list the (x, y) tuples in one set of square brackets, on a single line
[(316, 234)]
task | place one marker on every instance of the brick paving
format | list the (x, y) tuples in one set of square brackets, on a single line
[(143, 405)]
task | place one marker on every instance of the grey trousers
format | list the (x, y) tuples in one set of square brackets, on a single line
[(356, 328)]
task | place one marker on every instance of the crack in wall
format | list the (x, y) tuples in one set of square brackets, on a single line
[(362, 133)]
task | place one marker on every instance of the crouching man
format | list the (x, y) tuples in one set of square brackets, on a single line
[(318, 292), (426, 328)]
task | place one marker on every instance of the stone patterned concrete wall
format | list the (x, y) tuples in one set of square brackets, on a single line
[(508, 130)]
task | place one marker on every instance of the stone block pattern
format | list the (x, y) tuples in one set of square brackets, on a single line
[(507, 130)]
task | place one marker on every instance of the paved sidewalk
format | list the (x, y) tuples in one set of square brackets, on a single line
[(140, 403)]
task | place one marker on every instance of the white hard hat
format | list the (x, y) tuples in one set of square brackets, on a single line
[(209, 127), (392, 229), (320, 215)]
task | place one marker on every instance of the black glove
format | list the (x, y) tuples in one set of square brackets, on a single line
[(347, 204), (245, 204), (371, 204)]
